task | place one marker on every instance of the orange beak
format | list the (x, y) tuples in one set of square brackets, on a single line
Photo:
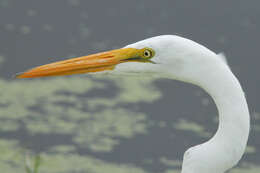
[(85, 64)]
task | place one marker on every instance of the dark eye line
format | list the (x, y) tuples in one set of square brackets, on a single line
[(135, 58), (141, 60)]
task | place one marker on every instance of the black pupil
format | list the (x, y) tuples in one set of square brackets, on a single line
[(146, 53)]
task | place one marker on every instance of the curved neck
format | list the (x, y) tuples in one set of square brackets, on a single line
[(232, 107)]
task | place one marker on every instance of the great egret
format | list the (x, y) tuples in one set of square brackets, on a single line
[(181, 59)]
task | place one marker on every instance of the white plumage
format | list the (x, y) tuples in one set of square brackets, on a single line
[(182, 59)]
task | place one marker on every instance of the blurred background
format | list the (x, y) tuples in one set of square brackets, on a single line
[(96, 124)]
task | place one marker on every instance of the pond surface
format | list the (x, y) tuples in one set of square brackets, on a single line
[(118, 124)]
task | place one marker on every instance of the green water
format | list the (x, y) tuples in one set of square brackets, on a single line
[(74, 130)]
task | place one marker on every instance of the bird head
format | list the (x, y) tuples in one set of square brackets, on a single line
[(164, 56)]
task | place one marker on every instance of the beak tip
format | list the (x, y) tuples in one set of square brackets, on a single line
[(18, 75)]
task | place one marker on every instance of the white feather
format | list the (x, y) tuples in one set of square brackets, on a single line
[(182, 59)]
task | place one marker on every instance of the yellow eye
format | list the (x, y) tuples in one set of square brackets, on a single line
[(148, 53)]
